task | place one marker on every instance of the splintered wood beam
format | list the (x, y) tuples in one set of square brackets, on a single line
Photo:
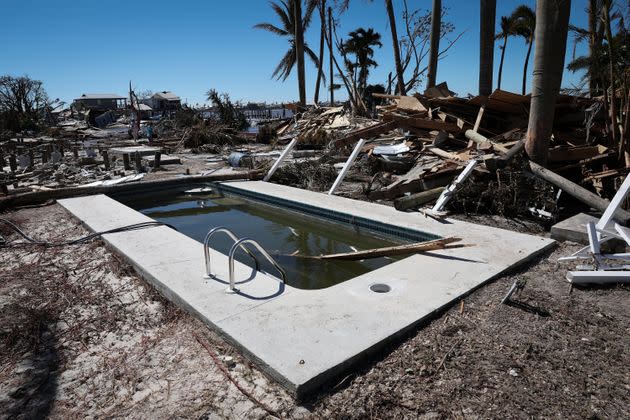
[(390, 250)]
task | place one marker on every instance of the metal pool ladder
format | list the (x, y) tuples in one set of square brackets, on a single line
[(238, 243)]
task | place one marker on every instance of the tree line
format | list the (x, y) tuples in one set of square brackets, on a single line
[(546, 28)]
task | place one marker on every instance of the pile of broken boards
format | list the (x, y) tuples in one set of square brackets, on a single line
[(319, 126), (421, 143)]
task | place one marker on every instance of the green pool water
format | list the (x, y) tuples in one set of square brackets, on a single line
[(282, 233)]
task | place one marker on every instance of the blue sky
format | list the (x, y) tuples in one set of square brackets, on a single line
[(190, 46)]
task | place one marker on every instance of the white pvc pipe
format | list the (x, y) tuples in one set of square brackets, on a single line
[(346, 166), (277, 163), (448, 192)]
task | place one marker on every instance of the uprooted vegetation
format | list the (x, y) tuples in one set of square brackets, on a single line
[(511, 192), (311, 174)]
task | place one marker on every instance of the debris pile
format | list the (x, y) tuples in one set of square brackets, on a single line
[(419, 144)]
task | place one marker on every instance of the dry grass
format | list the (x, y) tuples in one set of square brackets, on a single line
[(82, 336)]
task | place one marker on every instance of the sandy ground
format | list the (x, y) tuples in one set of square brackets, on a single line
[(82, 336)]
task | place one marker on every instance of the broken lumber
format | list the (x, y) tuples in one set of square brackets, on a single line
[(483, 141), (418, 199), (419, 122), (578, 192), (366, 133), (391, 250), (495, 163)]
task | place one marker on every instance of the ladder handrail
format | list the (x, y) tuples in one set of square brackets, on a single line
[(240, 243), (206, 247)]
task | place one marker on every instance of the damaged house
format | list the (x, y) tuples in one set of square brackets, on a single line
[(164, 101), (100, 102)]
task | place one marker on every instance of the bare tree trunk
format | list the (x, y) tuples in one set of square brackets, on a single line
[(505, 38), (331, 82), (299, 50), (488, 9), (399, 67), (529, 50), (320, 67), (436, 24), (357, 103), (552, 24)]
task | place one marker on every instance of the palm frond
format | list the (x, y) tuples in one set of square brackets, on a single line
[(285, 66), (311, 5), (271, 28), (285, 14)]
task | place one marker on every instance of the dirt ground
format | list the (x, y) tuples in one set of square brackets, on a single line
[(82, 336)]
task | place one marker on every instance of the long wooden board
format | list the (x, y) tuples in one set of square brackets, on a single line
[(390, 250)]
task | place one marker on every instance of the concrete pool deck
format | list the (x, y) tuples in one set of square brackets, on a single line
[(305, 338)]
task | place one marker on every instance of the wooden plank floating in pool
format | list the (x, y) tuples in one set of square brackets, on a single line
[(391, 251)]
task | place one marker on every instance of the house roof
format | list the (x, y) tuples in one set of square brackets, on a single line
[(166, 95), (144, 107), (100, 96)]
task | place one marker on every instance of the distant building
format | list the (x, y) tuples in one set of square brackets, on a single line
[(100, 102), (164, 101)]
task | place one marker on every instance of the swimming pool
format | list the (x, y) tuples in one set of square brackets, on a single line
[(291, 237)]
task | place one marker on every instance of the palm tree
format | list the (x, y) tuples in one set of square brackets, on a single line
[(551, 41), (436, 23), (360, 45), (488, 9), (292, 28), (507, 30), (524, 20)]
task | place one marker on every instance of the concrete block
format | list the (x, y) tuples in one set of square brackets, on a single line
[(573, 229)]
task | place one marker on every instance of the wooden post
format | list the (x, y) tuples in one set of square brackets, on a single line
[(416, 200), (44, 155), (126, 163), (31, 156), (12, 162), (75, 152), (156, 160), (138, 161), (105, 159)]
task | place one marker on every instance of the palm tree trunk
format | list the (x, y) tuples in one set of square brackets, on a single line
[(299, 50), (505, 38), (331, 81), (488, 9), (592, 42), (529, 50), (320, 66), (436, 24), (392, 27), (611, 75), (552, 24)]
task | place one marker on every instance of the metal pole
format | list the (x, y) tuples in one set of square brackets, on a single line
[(277, 163), (346, 166)]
